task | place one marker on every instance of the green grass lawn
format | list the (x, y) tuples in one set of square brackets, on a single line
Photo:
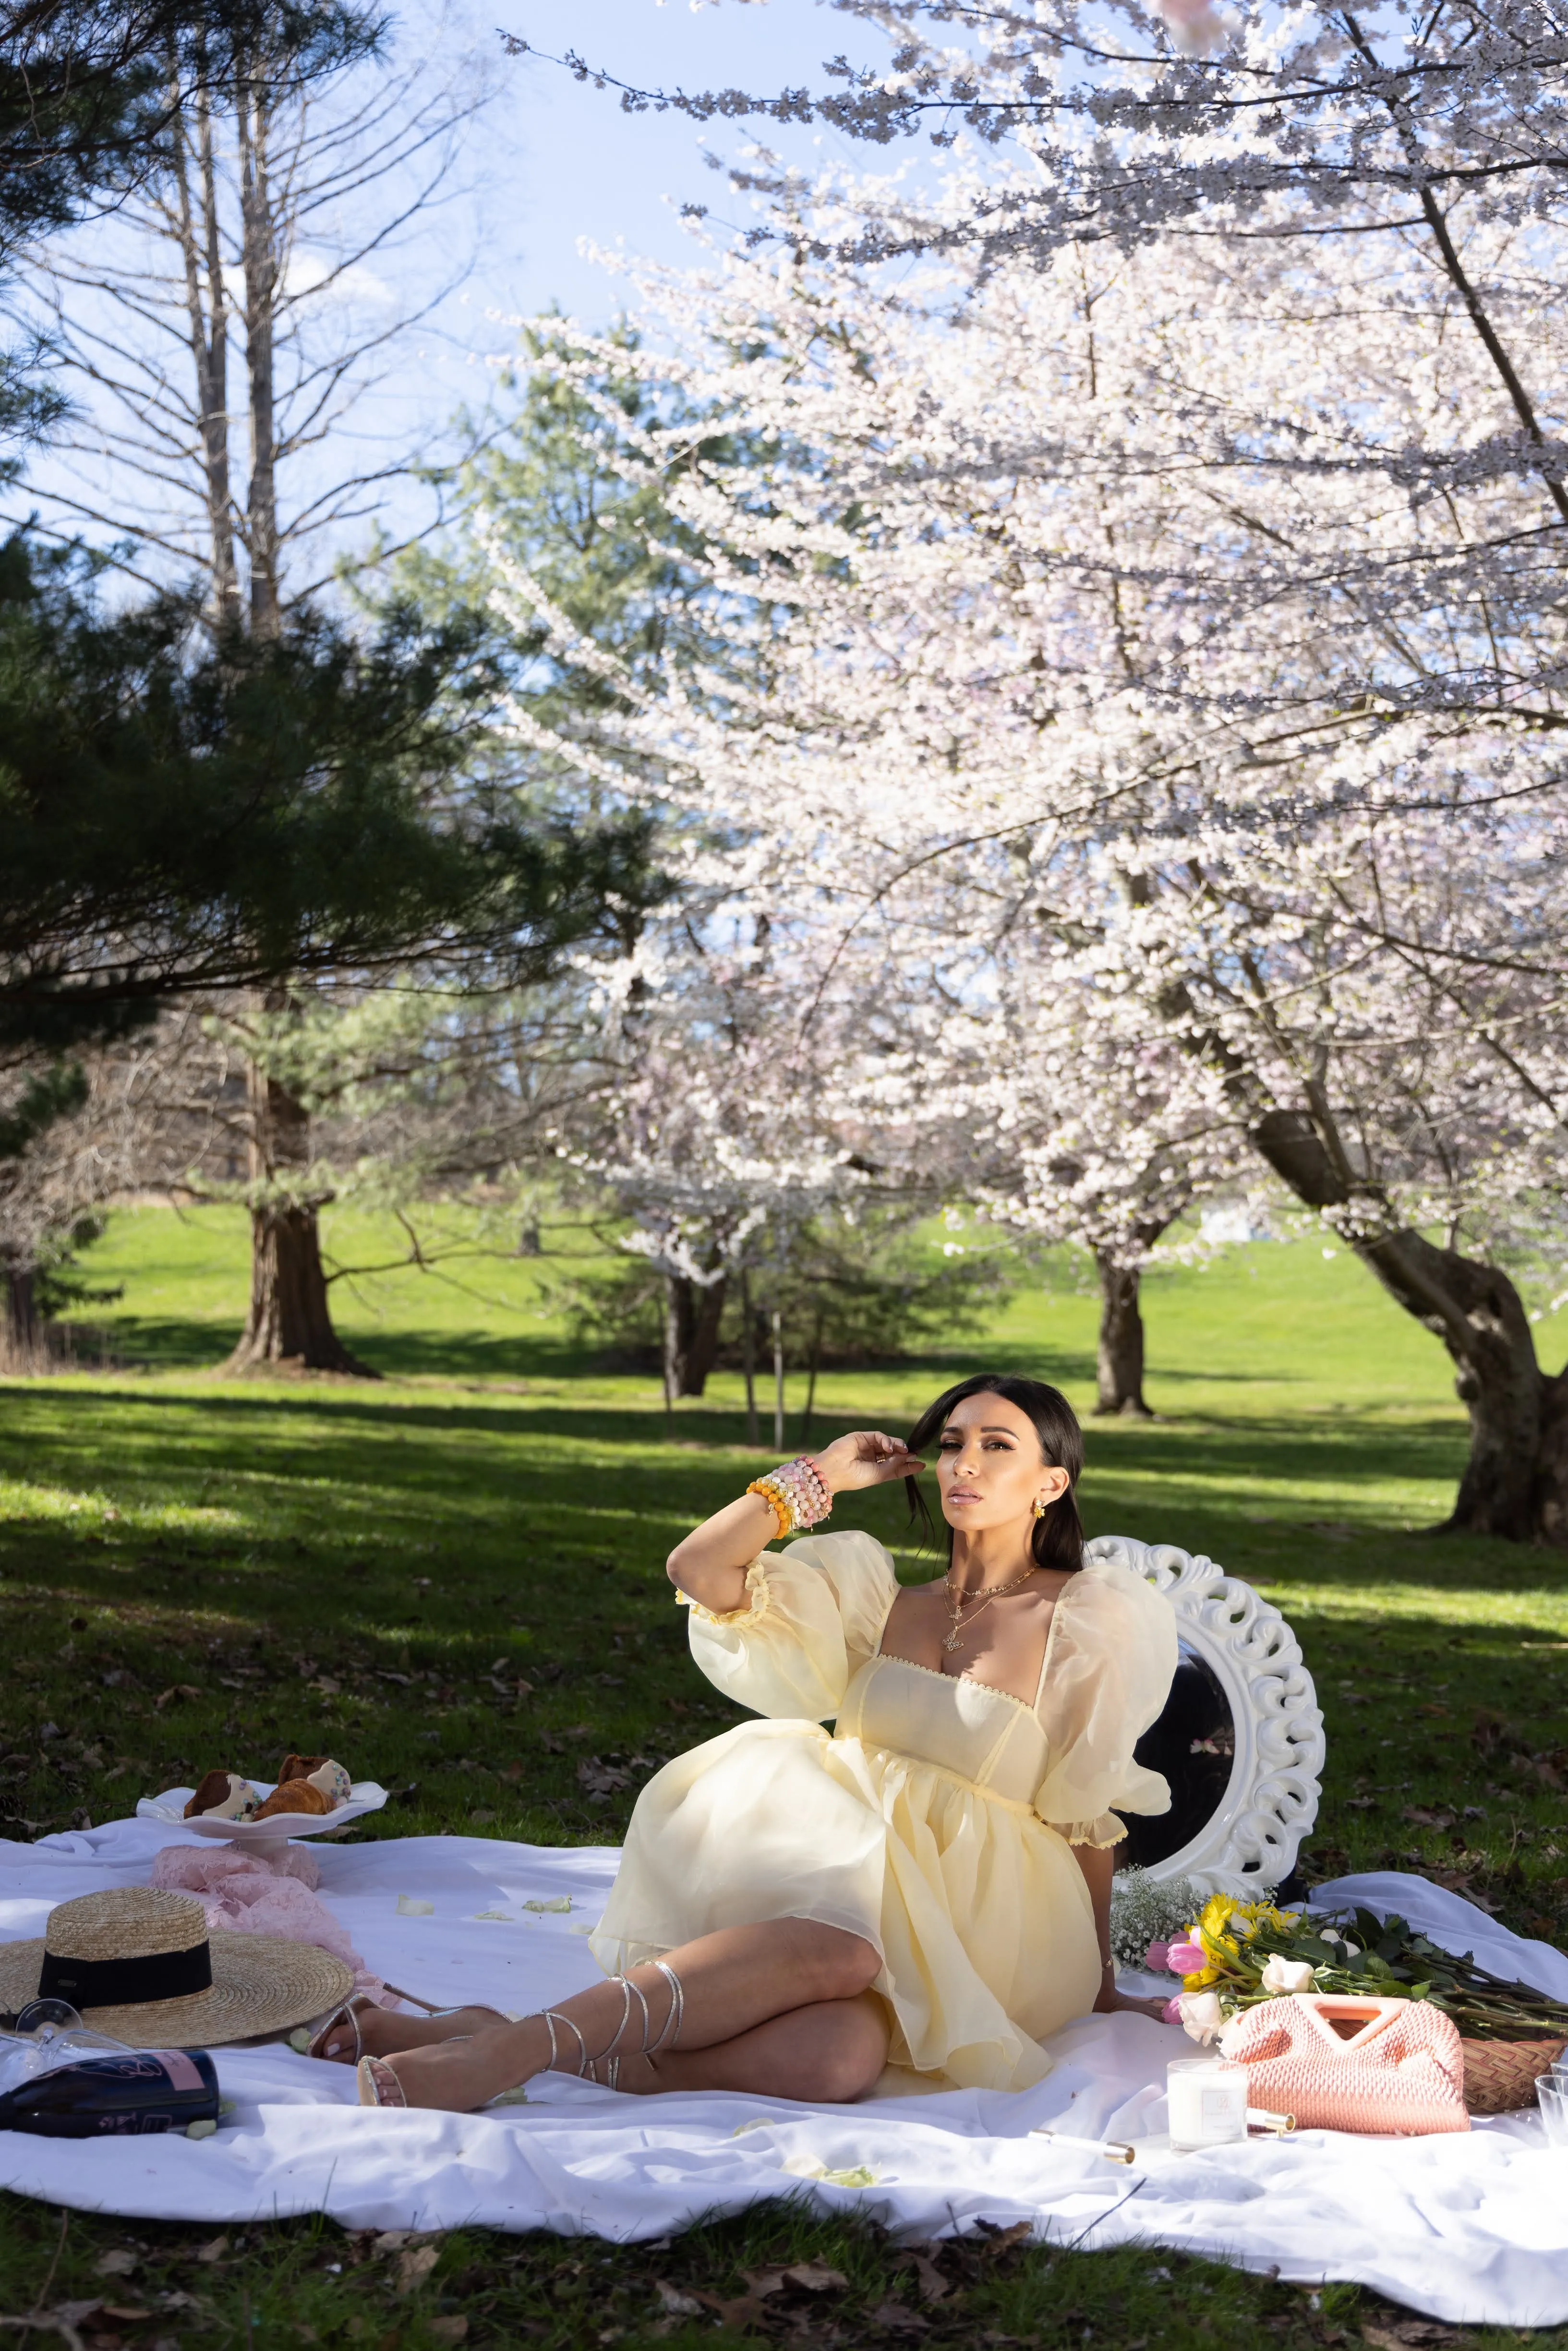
[(249, 1558)]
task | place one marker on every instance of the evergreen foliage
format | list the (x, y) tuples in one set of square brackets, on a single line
[(178, 813)]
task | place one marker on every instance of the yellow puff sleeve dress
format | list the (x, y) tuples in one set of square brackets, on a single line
[(936, 1819)]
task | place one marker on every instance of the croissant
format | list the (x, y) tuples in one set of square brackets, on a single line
[(222, 1796), (295, 1796)]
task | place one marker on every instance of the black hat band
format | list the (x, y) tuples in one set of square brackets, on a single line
[(129, 1982)]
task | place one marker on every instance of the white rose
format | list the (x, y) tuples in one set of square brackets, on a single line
[(1287, 1975), (1200, 2016)]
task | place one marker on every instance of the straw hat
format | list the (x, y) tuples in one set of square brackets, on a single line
[(141, 1966)]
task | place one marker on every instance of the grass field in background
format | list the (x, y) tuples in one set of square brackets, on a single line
[(371, 1568)]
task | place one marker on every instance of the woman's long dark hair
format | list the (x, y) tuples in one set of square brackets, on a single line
[(1058, 1538)]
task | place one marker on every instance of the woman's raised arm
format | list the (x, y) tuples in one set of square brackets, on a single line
[(709, 1565)]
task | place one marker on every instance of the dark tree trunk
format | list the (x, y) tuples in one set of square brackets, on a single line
[(1515, 1483), (289, 1321), (1121, 1356), (1477, 1313), (814, 1367), (778, 1380), (748, 1358), (22, 1332), (692, 1314), (1551, 1507)]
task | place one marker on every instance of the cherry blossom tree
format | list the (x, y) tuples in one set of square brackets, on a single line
[(1102, 615), (1105, 1138)]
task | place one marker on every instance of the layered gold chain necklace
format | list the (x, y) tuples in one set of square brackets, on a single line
[(957, 1602)]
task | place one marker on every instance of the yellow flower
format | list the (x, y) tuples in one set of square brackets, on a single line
[(1200, 1981)]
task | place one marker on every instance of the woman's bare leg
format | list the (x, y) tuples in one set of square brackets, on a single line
[(831, 2053), (733, 1982)]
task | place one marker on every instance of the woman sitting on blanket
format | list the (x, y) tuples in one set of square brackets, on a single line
[(929, 1884)]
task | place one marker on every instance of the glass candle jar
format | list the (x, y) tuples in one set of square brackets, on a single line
[(1207, 2097)]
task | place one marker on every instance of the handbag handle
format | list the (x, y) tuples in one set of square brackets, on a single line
[(1373, 2016)]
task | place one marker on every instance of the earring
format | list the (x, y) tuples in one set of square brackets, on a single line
[(1040, 1508)]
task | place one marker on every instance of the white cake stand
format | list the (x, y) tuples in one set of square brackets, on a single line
[(364, 1797)]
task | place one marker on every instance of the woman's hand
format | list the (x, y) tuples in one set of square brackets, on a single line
[(1111, 2002), (865, 1457)]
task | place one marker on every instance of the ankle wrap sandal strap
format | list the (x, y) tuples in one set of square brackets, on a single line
[(672, 2022), (586, 2067)]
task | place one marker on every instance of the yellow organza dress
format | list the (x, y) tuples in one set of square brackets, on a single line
[(935, 1820)]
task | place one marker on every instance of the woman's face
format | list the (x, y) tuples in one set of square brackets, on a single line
[(989, 1469)]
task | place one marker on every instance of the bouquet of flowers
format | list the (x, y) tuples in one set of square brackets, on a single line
[(1237, 1953), (1145, 1910)]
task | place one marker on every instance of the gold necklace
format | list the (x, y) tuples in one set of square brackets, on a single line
[(955, 1601)]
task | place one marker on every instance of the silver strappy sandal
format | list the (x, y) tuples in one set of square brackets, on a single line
[(355, 2006), (586, 2067), (379, 2086)]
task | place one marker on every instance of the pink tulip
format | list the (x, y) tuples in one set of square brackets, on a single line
[(1172, 2011), (1157, 1957), (1186, 1959)]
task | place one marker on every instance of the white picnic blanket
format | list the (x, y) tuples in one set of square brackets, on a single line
[(1465, 2228)]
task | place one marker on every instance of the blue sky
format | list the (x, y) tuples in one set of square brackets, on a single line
[(547, 166), (580, 168)]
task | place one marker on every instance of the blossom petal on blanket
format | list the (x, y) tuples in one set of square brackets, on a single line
[(246, 1891)]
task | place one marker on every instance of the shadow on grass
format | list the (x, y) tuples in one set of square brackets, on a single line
[(1166, 1477), (145, 1342), (489, 1469), (195, 1343)]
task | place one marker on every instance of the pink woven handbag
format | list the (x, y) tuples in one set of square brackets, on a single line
[(1393, 2068)]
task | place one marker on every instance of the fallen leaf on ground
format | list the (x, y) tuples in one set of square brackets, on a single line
[(118, 2262), (899, 2319), (452, 2328), (1407, 2334), (933, 2285), (818, 2278), (676, 2303), (416, 2265), (213, 2252), (743, 2312)]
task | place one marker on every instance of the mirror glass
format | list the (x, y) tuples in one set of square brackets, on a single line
[(1193, 1746)]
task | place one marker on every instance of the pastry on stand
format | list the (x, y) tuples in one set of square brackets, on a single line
[(222, 1796), (307, 1783)]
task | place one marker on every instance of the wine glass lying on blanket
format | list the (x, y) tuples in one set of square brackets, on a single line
[(46, 2033)]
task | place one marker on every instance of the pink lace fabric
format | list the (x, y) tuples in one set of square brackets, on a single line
[(253, 1893)]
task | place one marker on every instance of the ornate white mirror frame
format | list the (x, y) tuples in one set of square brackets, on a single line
[(1250, 1840)]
